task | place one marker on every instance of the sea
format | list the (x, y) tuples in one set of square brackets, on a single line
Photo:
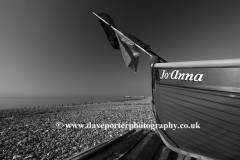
[(26, 102)]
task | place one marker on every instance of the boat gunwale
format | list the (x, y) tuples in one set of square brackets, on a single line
[(199, 64)]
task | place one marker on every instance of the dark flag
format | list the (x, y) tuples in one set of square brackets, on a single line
[(111, 34), (127, 42), (108, 30), (130, 51)]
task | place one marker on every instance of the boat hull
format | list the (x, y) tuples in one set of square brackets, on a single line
[(207, 96)]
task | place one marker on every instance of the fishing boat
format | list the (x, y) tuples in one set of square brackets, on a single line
[(200, 98), (203, 92)]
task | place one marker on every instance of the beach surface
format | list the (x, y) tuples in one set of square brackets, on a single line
[(42, 132)]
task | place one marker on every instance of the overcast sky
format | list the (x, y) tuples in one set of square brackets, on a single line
[(58, 48)]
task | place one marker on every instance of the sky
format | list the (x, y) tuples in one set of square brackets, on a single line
[(57, 48)]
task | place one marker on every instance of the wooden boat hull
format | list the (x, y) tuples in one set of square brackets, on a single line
[(206, 93)]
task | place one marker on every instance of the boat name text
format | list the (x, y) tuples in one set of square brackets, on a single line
[(175, 75)]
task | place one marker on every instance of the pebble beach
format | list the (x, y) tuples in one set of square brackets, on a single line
[(31, 133)]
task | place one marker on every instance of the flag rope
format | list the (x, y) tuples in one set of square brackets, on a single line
[(122, 34)]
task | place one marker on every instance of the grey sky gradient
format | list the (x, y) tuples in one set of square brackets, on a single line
[(58, 48)]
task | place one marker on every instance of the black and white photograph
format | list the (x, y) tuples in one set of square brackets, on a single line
[(119, 80)]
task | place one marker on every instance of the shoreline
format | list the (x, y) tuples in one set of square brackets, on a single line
[(11, 111), (29, 102)]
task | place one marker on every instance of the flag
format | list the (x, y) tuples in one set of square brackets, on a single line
[(112, 36), (118, 41), (108, 30), (130, 51)]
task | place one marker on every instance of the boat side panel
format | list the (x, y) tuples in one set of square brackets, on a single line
[(216, 110)]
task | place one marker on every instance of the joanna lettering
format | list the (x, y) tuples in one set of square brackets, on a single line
[(176, 75)]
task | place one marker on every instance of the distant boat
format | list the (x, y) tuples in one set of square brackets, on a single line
[(127, 97)]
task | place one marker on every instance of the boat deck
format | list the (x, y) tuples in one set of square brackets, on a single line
[(144, 144)]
